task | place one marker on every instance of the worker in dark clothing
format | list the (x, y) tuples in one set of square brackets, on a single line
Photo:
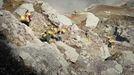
[(47, 36), (26, 19), (23, 20)]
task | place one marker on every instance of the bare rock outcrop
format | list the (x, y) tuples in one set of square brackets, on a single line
[(91, 20), (38, 24), (69, 52), (54, 16), (85, 20), (43, 58), (13, 30), (23, 8)]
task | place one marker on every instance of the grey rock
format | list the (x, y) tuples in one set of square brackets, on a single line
[(110, 71), (44, 59), (38, 24), (23, 8), (85, 20), (111, 68), (54, 16), (91, 20), (69, 52), (14, 31), (105, 52), (74, 28), (60, 55), (127, 58)]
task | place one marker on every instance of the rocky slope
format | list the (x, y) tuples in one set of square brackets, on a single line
[(83, 50)]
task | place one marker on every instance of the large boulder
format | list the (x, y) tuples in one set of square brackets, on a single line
[(87, 66), (41, 57), (69, 52), (44, 59), (11, 63), (54, 16), (15, 31), (64, 20), (89, 43), (91, 20), (38, 24), (85, 20), (21, 10), (105, 53)]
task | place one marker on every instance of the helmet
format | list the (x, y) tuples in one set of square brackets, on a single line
[(50, 32), (63, 30), (28, 14), (22, 17), (111, 40), (55, 30)]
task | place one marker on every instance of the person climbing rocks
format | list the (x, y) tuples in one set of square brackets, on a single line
[(26, 19), (47, 36), (23, 20), (62, 28), (28, 16), (53, 33), (110, 41)]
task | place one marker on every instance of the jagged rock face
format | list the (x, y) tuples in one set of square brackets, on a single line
[(83, 52), (91, 20), (14, 31), (23, 8), (54, 16), (11, 64), (69, 52), (89, 44), (38, 24), (85, 20), (43, 58)]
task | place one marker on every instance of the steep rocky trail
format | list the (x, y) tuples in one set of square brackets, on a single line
[(84, 49)]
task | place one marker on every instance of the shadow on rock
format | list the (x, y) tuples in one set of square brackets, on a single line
[(10, 64)]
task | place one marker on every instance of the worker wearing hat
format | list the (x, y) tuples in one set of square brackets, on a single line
[(28, 15), (26, 18), (23, 20), (110, 41)]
